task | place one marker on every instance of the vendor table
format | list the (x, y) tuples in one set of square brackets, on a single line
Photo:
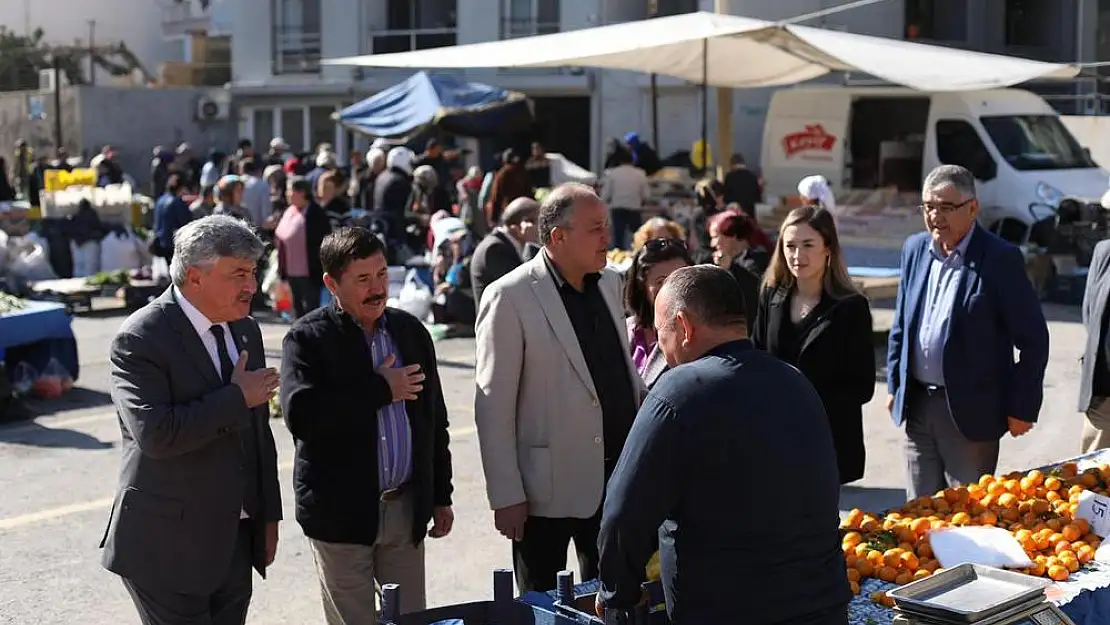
[(1085, 597), (36, 334)]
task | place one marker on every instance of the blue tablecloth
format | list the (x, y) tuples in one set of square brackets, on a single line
[(36, 334)]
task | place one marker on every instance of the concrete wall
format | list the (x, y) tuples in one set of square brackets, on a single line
[(16, 124), (135, 120)]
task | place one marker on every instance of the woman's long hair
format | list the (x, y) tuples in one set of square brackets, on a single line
[(837, 281)]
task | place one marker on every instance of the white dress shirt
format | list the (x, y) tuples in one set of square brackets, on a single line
[(203, 327), (626, 187)]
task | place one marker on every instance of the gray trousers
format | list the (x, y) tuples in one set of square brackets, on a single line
[(348, 573), (937, 454), (1096, 428), (227, 606)]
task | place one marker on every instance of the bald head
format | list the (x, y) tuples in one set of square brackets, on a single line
[(558, 207), (520, 209)]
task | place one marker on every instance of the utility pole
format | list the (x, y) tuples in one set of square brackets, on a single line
[(58, 139), (92, 52), (724, 111), (653, 11)]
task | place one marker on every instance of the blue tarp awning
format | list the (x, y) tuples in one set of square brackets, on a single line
[(445, 101)]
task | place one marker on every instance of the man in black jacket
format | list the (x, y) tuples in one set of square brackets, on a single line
[(361, 394), (678, 473), (506, 247)]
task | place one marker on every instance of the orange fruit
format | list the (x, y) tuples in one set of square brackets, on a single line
[(853, 575), (988, 518), (1037, 568), (1085, 554), (1072, 564), (903, 578), (1083, 525), (909, 561), (961, 518), (851, 560), (892, 557), (920, 526), (921, 574), (1007, 500), (854, 586), (1058, 573), (1069, 469), (1088, 480), (1054, 524), (1035, 476), (930, 565), (996, 488), (889, 574), (862, 549), (1071, 532), (1053, 483), (924, 550), (865, 568), (875, 557)]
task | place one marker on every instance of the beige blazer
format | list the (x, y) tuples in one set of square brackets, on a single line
[(536, 408)]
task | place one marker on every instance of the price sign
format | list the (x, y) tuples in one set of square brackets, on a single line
[(1096, 510)]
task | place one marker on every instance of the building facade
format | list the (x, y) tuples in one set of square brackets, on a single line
[(280, 88)]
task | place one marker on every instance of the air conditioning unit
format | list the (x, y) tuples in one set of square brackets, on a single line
[(46, 80), (213, 107)]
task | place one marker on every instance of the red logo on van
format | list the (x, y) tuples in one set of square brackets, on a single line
[(814, 137)]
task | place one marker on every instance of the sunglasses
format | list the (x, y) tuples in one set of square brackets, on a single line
[(655, 246)]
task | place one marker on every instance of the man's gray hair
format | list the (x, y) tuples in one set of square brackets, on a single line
[(202, 242), (953, 176), (558, 206), (706, 293)]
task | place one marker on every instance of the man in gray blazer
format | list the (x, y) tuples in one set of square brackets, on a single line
[(557, 390), (1094, 381), (198, 502), (510, 244)]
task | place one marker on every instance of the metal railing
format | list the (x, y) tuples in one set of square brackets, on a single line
[(296, 52), (388, 41), (513, 27)]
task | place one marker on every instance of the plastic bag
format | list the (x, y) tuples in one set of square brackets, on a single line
[(31, 264), (53, 382), (282, 297), (415, 297), (120, 250), (24, 378), (86, 258)]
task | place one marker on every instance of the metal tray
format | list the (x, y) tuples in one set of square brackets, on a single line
[(969, 592)]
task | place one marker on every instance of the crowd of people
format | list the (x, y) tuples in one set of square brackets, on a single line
[(606, 405)]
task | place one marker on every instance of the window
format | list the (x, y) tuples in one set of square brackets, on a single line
[(937, 20), (959, 144), (1030, 142), (292, 128), (1028, 22), (523, 18), (263, 124), (321, 127), (417, 25), (659, 8), (296, 25)]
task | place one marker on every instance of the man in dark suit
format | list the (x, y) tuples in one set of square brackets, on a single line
[(964, 304), (361, 395), (1094, 381), (504, 249), (198, 501), (687, 445)]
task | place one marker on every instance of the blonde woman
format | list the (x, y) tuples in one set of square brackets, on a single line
[(812, 316), (658, 228)]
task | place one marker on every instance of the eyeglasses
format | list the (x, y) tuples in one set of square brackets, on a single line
[(944, 209), (658, 245)]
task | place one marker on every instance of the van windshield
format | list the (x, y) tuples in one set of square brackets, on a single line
[(1029, 142)]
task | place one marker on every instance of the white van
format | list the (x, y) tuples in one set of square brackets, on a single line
[(876, 144)]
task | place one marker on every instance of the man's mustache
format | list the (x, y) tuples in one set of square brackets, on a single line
[(374, 299)]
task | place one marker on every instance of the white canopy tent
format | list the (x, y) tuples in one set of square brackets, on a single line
[(718, 50), (730, 51)]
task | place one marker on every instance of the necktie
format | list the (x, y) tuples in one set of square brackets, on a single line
[(226, 366)]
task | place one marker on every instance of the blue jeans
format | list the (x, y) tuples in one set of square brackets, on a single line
[(625, 223)]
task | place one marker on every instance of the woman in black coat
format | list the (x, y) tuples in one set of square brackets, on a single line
[(812, 317)]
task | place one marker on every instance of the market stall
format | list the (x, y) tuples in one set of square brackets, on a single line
[(37, 346)]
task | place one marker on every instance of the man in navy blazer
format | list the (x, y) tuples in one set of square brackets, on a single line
[(964, 304)]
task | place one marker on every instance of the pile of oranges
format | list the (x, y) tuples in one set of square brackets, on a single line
[(1038, 508)]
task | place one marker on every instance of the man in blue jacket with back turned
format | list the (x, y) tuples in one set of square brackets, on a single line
[(691, 460), (964, 304)]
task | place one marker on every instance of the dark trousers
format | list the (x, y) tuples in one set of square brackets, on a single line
[(226, 606), (625, 223), (306, 296), (543, 551)]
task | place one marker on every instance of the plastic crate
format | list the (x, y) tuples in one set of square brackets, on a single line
[(503, 610), (576, 604)]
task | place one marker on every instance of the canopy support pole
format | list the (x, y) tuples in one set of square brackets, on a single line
[(724, 113), (705, 104)]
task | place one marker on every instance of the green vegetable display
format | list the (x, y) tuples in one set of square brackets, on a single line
[(10, 303), (108, 278)]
